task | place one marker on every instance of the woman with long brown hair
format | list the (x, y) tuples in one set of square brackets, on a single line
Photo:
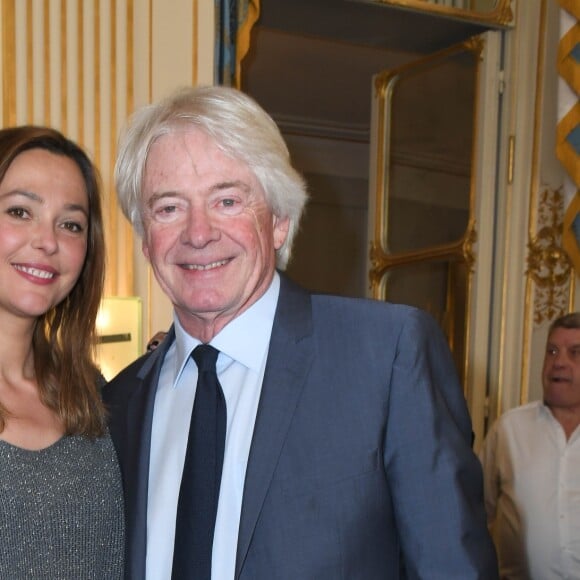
[(61, 507)]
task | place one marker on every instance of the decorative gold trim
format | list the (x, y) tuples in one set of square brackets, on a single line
[(113, 245), (384, 86), (47, 68), (548, 264), (81, 72), (502, 15), (511, 157), (461, 251), (195, 41), (97, 80), (476, 45), (29, 63), (130, 104), (150, 88), (63, 70), (150, 56), (8, 63)]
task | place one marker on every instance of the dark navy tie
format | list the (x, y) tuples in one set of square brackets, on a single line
[(202, 472)]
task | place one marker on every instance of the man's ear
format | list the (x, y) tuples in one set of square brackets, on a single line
[(281, 227)]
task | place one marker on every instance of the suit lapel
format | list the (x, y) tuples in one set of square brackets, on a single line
[(139, 419), (289, 360)]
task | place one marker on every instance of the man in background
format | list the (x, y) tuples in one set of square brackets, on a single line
[(531, 462), (340, 442)]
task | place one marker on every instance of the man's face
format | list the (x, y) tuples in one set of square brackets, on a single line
[(561, 372), (209, 233)]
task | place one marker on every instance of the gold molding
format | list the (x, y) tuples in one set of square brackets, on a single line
[(195, 38), (502, 15), (8, 63), (460, 251), (97, 81), (47, 68), (383, 87), (458, 254), (113, 211), (63, 70), (29, 64), (81, 73), (130, 105)]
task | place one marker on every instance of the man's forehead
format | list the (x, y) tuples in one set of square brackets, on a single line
[(177, 137), (567, 336)]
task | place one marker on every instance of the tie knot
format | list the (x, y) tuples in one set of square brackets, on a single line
[(205, 357)]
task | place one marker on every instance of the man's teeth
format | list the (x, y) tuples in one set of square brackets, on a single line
[(207, 266), (35, 272)]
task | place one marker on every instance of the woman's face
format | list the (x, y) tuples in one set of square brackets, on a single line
[(44, 219)]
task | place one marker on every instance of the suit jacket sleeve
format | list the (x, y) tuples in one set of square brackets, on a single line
[(435, 478)]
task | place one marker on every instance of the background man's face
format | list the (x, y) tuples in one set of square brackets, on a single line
[(561, 372)]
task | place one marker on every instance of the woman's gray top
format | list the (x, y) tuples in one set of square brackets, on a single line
[(61, 511)]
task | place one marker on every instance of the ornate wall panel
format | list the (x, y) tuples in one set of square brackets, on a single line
[(67, 63)]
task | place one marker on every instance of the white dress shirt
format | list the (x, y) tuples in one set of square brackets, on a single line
[(243, 346), (532, 494)]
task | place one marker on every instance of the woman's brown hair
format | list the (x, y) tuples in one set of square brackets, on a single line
[(64, 337)]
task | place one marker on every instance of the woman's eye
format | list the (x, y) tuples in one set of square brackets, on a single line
[(73, 227), (17, 212)]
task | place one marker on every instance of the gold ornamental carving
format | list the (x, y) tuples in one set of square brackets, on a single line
[(548, 264)]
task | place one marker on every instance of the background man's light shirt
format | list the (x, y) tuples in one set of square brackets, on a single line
[(536, 516), (243, 346)]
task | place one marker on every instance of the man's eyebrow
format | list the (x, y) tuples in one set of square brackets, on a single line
[(231, 184), (157, 196)]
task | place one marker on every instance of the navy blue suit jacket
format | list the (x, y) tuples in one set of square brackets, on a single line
[(361, 464)]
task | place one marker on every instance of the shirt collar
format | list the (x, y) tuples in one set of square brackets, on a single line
[(244, 339)]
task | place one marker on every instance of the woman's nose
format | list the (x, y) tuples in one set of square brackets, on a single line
[(44, 238)]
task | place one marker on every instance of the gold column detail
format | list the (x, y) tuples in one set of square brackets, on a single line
[(548, 264)]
